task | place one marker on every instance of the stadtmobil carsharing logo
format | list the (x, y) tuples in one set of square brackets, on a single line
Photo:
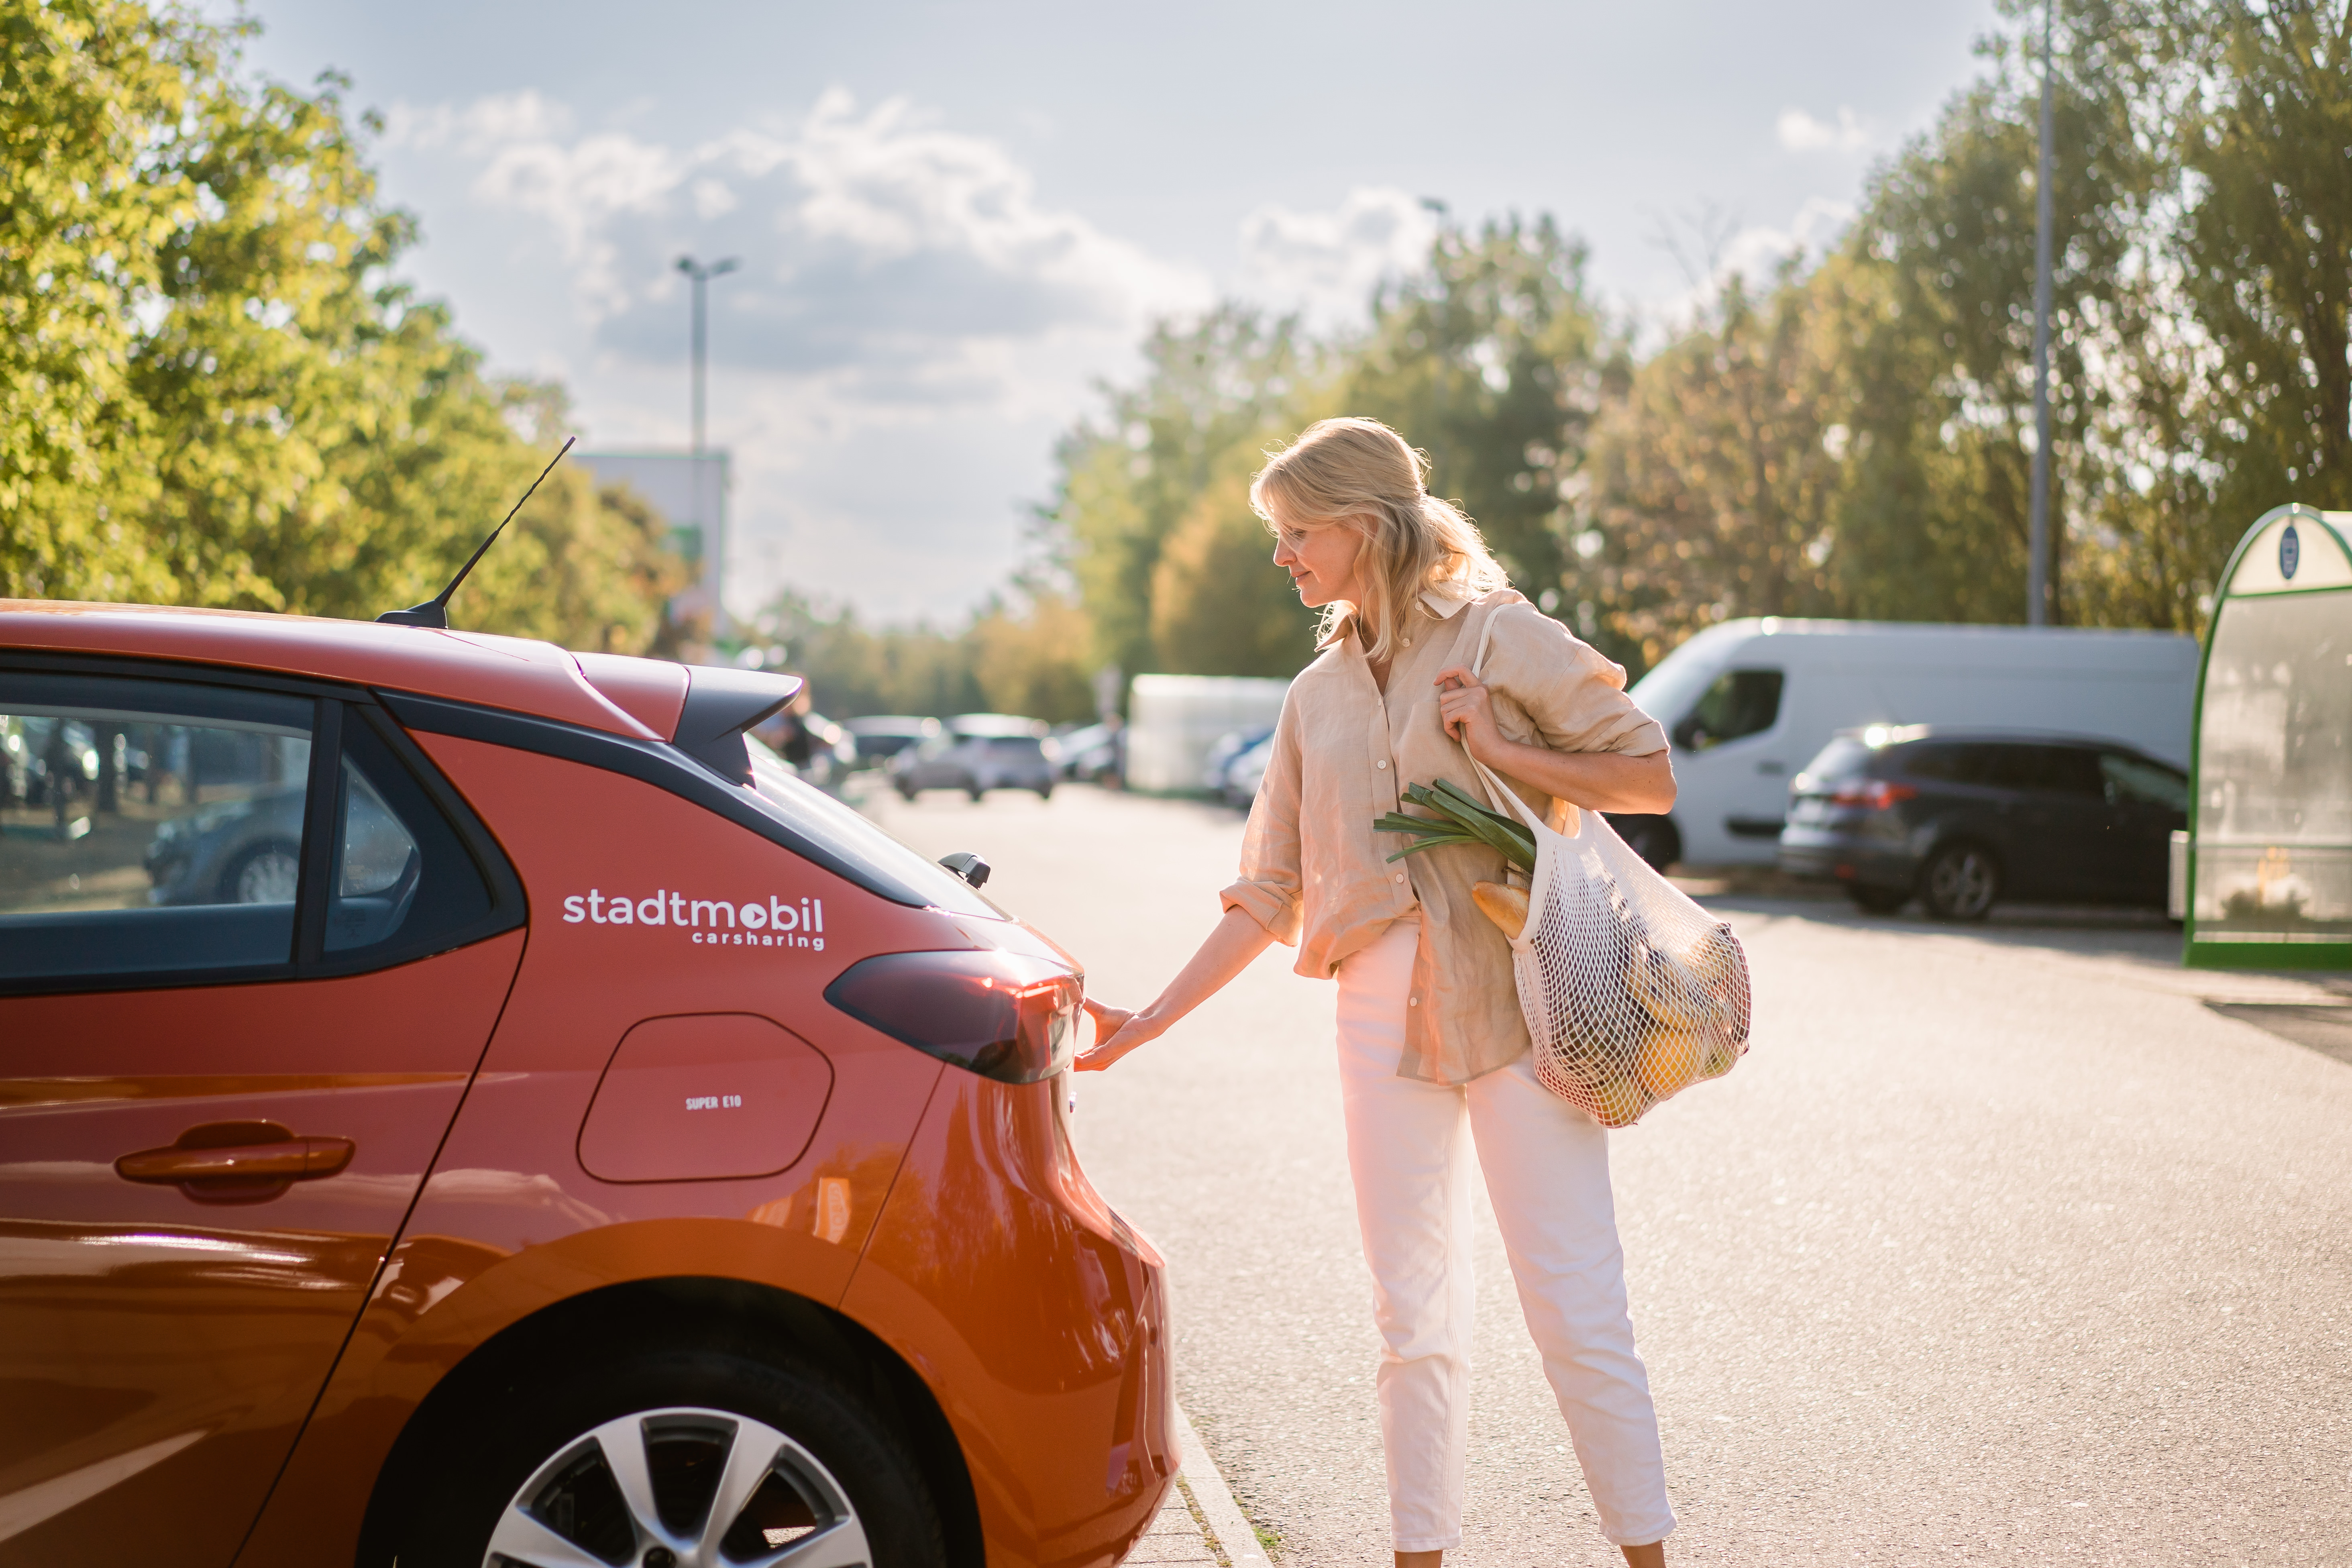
[(777, 922)]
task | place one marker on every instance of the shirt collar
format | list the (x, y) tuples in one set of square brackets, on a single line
[(1444, 608), (1437, 605)]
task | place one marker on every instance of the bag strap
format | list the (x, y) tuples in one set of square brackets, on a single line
[(1498, 790)]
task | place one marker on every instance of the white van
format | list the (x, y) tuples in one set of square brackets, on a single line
[(1748, 703)]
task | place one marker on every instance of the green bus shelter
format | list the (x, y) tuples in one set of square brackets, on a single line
[(2268, 863)]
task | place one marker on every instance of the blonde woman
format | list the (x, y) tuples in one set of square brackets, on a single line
[(1432, 1043)]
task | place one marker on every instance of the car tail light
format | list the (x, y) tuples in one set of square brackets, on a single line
[(1004, 1016), (1874, 794)]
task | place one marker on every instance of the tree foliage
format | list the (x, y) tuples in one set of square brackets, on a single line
[(211, 390), (1851, 435)]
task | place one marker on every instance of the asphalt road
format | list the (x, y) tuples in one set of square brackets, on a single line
[(1999, 1245)]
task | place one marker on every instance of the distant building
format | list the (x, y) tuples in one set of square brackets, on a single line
[(692, 493)]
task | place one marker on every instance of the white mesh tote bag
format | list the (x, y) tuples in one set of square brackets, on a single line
[(1632, 992)]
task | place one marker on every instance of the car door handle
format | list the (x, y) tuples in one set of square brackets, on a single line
[(202, 1158)]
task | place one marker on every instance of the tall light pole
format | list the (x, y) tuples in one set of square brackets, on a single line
[(715, 573), (2037, 566)]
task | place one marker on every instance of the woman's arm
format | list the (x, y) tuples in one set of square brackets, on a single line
[(1599, 781), (1236, 939)]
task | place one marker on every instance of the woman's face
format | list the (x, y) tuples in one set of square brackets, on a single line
[(1320, 558)]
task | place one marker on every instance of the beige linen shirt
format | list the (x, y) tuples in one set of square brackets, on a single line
[(1315, 874)]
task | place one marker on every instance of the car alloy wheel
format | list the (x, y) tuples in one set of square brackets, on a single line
[(265, 874), (1962, 882), (682, 1487)]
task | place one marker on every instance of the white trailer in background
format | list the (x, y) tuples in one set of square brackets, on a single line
[(1173, 720), (1749, 703)]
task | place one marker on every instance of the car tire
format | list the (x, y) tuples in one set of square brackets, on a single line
[(263, 873), (1962, 882), (1044, 792), (800, 1451), (905, 794), (1878, 901), (975, 792)]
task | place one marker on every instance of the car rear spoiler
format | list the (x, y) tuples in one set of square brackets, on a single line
[(720, 704)]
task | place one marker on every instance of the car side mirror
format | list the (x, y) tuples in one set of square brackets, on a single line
[(967, 864)]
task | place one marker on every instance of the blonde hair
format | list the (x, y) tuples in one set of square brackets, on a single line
[(1360, 473)]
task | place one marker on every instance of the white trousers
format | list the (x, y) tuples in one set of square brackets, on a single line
[(1547, 1168)]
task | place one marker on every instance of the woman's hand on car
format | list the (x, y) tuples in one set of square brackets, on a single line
[(1466, 708), (1117, 1032)]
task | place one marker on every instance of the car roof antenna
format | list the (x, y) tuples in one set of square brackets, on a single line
[(434, 611)]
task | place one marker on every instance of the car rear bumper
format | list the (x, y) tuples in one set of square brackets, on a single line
[(1037, 1317), (1825, 855)]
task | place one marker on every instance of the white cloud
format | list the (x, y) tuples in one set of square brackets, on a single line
[(1801, 133), (1325, 265), (872, 240), (910, 327), (1756, 249)]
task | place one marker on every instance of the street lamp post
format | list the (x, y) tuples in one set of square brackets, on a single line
[(715, 573), (2037, 565)]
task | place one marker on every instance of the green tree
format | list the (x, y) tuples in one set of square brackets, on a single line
[(1493, 359), (1032, 655), (1713, 474), (1220, 385), (1219, 605), (92, 96), (211, 390)]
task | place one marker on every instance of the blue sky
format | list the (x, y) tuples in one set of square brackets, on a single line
[(955, 220)]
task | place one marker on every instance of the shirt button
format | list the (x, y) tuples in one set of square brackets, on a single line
[(1400, 875), (1412, 1001), (1382, 763)]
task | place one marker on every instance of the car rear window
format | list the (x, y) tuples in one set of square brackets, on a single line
[(1017, 747), (1845, 757), (841, 830), (2147, 783)]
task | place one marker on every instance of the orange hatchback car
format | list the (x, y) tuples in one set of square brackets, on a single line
[(463, 1103)]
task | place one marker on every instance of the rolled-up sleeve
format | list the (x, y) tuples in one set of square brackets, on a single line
[(1574, 695), (1267, 888)]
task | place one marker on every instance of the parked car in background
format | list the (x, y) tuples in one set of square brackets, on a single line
[(1094, 752), (607, 1149), (999, 724), (1246, 772), (877, 737), (1963, 819), (1222, 754), (230, 851), (976, 764), (1746, 701)]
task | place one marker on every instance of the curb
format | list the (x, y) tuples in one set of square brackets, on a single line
[(1231, 1530)]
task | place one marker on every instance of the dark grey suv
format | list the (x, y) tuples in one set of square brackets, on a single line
[(1963, 819)]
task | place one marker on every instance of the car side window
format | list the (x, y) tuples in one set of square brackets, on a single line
[(401, 874), (1740, 702), (148, 826), (2072, 770), (1945, 763), (2051, 769), (2146, 783)]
